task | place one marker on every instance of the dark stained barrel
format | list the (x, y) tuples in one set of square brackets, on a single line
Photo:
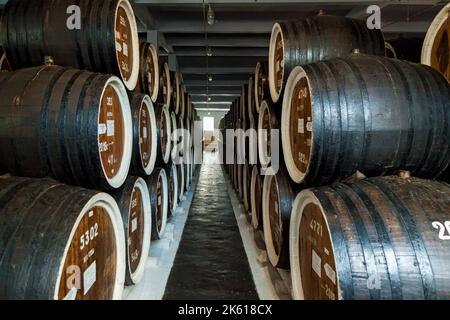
[(165, 84), (436, 46), (176, 92), (145, 135), (366, 113), (261, 84), (59, 242), (4, 64), (251, 109), (72, 125), (277, 199), (246, 184), (148, 82), (181, 178), (172, 178), (268, 129), (163, 130), (381, 238), (133, 199), (256, 188), (159, 200), (31, 30), (313, 39)]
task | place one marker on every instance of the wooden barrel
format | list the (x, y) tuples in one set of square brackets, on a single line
[(32, 30), (173, 188), (251, 109), (277, 199), (4, 64), (366, 113), (158, 187), (181, 183), (145, 135), (148, 82), (182, 104), (59, 242), (256, 188), (72, 125), (436, 46), (313, 39), (173, 134), (134, 204), (267, 122), (176, 91), (380, 238), (261, 85), (165, 85), (246, 184), (163, 129)]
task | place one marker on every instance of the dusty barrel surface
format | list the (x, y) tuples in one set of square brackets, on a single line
[(159, 200), (436, 46), (380, 238), (163, 130), (59, 242), (309, 40), (144, 135), (165, 85), (261, 85), (32, 30), (72, 125), (366, 113), (256, 188), (148, 82), (277, 199), (133, 200)]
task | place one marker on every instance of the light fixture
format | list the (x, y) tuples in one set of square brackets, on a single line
[(209, 98), (211, 16), (209, 51), (210, 78), (209, 113)]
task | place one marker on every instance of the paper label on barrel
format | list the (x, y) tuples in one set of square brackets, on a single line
[(101, 128), (316, 263), (145, 133), (134, 225), (110, 128), (301, 126), (71, 295), (89, 277), (331, 274)]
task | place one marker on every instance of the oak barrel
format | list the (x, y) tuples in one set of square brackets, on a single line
[(261, 85), (172, 173), (367, 113), (268, 133), (256, 187), (181, 178), (59, 242), (145, 135), (148, 82), (106, 40), (163, 130), (436, 46), (379, 238), (313, 39), (133, 199), (176, 91), (159, 200), (72, 125), (165, 84), (277, 199)]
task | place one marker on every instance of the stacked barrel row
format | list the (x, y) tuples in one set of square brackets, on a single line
[(87, 155), (355, 208)]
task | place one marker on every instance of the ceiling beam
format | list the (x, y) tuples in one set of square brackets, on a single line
[(213, 70), (216, 40), (221, 51)]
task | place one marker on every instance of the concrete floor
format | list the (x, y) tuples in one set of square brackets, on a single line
[(211, 262)]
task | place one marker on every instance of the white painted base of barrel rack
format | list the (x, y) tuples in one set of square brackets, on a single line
[(162, 255), (271, 283)]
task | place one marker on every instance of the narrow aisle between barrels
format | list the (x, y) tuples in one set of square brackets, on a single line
[(211, 262)]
